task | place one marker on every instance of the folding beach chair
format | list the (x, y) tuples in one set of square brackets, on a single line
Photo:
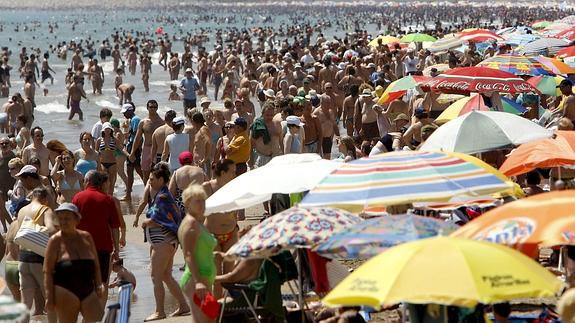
[(260, 299), (120, 312)]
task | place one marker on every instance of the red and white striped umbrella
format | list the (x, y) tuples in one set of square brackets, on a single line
[(479, 35)]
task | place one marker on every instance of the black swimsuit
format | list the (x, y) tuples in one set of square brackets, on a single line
[(77, 276)]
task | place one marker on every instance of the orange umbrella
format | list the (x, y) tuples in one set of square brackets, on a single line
[(542, 220), (544, 153)]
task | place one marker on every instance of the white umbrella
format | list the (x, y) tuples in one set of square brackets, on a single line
[(292, 173), (480, 131)]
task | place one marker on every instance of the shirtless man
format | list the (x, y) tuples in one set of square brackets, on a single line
[(132, 58), (37, 149), (160, 134), (412, 136), (76, 60), (327, 74), (365, 117), (202, 143), (174, 67), (13, 108), (568, 100), (146, 66), (75, 95), (349, 80), (187, 58), (229, 109), (116, 56), (312, 128), (348, 109), (27, 110), (184, 176), (146, 129), (163, 60), (265, 136), (31, 67), (326, 115), (97, 77), (125, 91), (395, 108), (30, 88), (335, 98), (242, 111), (203, 74), (46, 69)]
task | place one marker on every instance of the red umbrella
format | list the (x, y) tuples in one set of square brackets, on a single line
[(568, 33), (465, 80), (479, 35), (566, 52)]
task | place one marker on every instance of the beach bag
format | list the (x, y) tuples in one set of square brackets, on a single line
[(33, 236)]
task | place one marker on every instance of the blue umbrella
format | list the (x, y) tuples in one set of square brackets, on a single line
[(369, 238)]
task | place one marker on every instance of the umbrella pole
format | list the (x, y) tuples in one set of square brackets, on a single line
[(300, 282)]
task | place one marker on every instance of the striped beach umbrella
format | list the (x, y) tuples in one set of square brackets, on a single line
[(475, 103), (547, 45), (521, 39), (446, 43), (555, 65), (566, 52), (546, 84), (479, 35), (405, 177), (517, 65)]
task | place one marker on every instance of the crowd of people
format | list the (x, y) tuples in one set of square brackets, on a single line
[(304, 93)]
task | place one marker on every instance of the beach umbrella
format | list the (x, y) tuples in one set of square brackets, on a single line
[(477, 79), (399, 87), (541, 24), (555, 65), (445, 43), (405, 177), (384, 40), (439, 67), (568, 20), (546, 84), (545, 45), (521, 39), (258, 185), (545, 153), (371, 237), (446, 98), (291, 229), (568, 34), (517, 65), (480, 131), (479, 35), (566, 52), (444, 270), (475, 102), (542, 220), (417, 38)]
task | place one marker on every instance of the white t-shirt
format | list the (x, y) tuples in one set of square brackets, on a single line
[(410, 64), (97, 130), (178, 143)]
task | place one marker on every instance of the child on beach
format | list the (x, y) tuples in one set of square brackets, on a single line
[(174, 96), (123, 275)]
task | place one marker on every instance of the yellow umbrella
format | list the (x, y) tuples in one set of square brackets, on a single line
[(384, 40), (444, 270)]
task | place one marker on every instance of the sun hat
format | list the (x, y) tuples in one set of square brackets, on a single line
[(270, 93), (68, 207), (293, 120), (186, 157), (27, 170), (204, 100), (107, 125), (127, 107), (366, 93), (178, 121), (401, 116)]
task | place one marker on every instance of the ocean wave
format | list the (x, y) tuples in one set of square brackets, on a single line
[(106, 104), (51, 107)]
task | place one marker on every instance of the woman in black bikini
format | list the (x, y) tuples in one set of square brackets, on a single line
[(71, 270), (106, 147)]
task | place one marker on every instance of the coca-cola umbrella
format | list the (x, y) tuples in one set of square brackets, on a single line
[(465, 80)]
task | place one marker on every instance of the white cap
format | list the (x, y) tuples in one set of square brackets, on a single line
[(68, 207), (178, 121), (189, 70), (270, 93), (127, 107), (107, 125), (294, 121), (27, 169)]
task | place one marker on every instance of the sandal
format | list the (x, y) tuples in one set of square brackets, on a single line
[(154, 317), (180, 313)]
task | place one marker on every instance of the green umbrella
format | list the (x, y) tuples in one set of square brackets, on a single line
[(417, 38), (545, 84), (541, 24)]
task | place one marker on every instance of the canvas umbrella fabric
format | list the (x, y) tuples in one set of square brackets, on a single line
[(568, 34), (546, 219), (397, 89), (546, 153), (541, 24), (465, 80), (480, 131), (520, 39), (443, 270), (291, 229), (545, 45), (258, 185), (555, 65), (371, 237), (384, 40), (517, 65), (439, 67), (445, 43), (475, 103), (546, 84), (417, 38), (405, 177), (566, 52), (479, 35)]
